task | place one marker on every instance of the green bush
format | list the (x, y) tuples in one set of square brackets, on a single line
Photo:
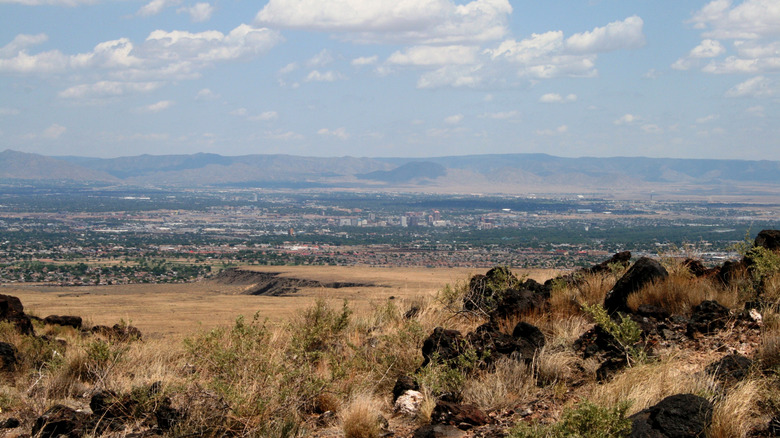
[(626, 333), (586, 420)]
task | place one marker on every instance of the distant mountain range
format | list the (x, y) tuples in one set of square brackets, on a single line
[(498, 173)]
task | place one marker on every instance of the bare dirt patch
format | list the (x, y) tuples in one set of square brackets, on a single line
[(177, 310)]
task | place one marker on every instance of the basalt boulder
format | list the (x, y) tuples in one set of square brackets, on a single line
[(445, 345), (676, 416), (643, 272), (707, 317), (11, 310), (64, 320)]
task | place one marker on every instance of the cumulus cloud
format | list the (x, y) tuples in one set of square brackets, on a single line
[(265, 116), (435, 55), (549, 55), (557, 98), (758, 86), (199, 12), (157, 107), (53, 132), (750, 19), (340, 133), (154, 7), (707, 119), (364, 60), (453, 119), (626, 119), (651, 128), (422, 21), (328, 76), (626, 34), (206, 94), (321, 59), (452, 76), (707, 49), (284, 135), (108, 89)]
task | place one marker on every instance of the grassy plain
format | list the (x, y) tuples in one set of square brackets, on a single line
[(178, 310)]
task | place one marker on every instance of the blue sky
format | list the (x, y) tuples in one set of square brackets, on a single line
[(657, 78)]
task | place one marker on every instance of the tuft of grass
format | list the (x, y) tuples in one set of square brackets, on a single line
[(681, 292), (737, 413), (510, 382), (362, 417)]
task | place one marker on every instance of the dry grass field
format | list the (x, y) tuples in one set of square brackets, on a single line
[(178, 310)]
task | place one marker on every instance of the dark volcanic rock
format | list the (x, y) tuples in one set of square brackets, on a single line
[(403, 384), (11, 310), (490, 343), (118, 332), (622, 259), (438, 431), (69, 321), (462, 416), (697, 268), (485, 290), (60, 420), (731, 271), (643, 272), (651, 311), (676, 416), (446, 344), (10, 423), (731, 368), (515, 303), (707, 317), (166, 415), (8, 356), (769, 239)]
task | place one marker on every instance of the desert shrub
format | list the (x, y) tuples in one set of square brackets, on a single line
[(318, 328), (586, 420), (626, 332), (447, 378)]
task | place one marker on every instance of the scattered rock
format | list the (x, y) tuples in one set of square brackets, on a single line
[(707, 317), (403, 384), (446, 344), (490, 343), (438, 431), (697, 268), (166, 415), (731, 368), (530, 333), (60, 420), (485, 290), (644, 271), (408, 403), (769, 239), (68, 321), (731, 271), (656, 312), (676, 416), (11, 310), (10, 423), (8, 356), (122, 333), (515, 303), (463, 416)]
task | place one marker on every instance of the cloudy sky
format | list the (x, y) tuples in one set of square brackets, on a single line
[(658, 78)]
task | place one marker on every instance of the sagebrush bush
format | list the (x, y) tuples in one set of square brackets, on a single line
[(586, 420)]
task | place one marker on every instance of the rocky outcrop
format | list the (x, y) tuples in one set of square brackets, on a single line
[(68, 321), (60, 420), (443, 344), (707, 317), (462, 416), (273, 284), (643, 272), (676, 416), (8, 356), (11, 310)]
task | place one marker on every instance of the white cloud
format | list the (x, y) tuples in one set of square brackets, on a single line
[(758, 86), (206, 94), (503, 115), (435, 55), (108, 89), (548, 55), (706, 49), (451, 76), (22, 42), (240, 112), (550, 132), (626, 119), (750, 19), (453, 119), (651, 128), (53, 132), (320, 60), (199, 12), (154, 7), (210, 46), (340, 133), (707, 119), (157, 107), (265, 116), (421, 21), (626, 34), (557, 98), (365, 60), (328, 76), (756, 111)]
